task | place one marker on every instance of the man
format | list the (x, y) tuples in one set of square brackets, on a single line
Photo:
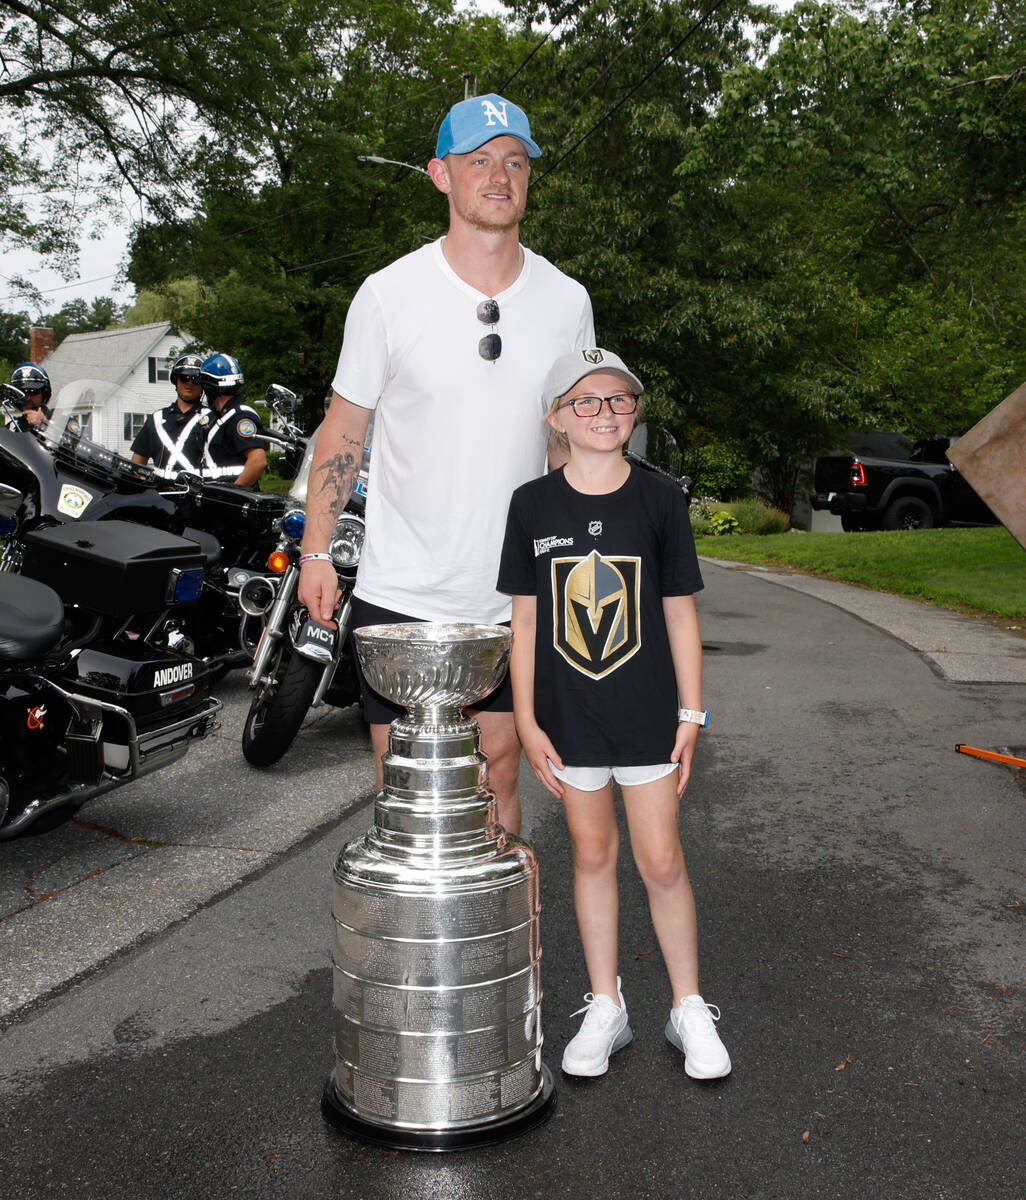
[(449, 347), (233, 451), (174, 437), (34, 382)]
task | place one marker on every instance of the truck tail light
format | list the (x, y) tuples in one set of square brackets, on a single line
[(858, 473)]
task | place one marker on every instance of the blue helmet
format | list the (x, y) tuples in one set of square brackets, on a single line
[(31, 378), (221, 373)]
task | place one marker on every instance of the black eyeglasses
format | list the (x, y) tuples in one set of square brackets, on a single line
[(490, 346), (623, 403), (32, 391)]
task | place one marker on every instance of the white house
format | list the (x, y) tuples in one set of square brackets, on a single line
[(115, 378)]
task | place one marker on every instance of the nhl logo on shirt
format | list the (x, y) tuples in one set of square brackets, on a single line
[(596, 622), (594, 528)]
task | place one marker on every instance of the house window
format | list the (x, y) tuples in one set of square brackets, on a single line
[(133, 425), (160, 370)]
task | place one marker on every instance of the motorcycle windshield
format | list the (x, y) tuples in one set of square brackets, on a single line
[(658, 446), (77, 433), (301, 483)]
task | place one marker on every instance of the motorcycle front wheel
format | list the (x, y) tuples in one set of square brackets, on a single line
[(279, 707)]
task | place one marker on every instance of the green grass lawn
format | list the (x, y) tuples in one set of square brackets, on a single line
[(979, 571)]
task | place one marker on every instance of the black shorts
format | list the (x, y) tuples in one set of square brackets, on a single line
[(377, 709)]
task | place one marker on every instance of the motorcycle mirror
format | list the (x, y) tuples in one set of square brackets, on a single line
[(280, 397), (10, 500), (13, 396)]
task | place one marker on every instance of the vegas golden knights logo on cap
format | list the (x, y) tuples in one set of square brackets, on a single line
[(596, 622)]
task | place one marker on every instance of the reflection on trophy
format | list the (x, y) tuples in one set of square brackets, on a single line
[(437, 995)]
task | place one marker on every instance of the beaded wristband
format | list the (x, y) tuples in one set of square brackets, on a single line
[(305, 558)]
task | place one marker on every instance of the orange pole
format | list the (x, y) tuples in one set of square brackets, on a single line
[(991, 755)]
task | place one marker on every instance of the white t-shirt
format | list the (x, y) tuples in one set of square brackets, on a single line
[(454, 434)]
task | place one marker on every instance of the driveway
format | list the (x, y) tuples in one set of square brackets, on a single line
[(860, 896)]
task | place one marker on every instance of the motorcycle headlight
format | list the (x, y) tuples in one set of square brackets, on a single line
[(347, 542)]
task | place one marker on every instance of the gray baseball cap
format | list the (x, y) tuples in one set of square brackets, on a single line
[(568, 369)]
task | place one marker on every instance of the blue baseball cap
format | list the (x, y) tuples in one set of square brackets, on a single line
[(473, 122)]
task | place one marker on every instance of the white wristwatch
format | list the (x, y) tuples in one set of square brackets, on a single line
[(695, 716)]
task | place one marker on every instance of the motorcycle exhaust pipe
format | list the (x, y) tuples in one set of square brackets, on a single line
[(256, 596)]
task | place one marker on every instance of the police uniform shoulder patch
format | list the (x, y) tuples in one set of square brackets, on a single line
[(246, 427)]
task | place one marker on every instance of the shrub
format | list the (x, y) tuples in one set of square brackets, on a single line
[(754, 516), (722, 523), (713, 518), (722, 467)]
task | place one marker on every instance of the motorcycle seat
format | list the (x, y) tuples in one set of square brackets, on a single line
[(209, 546), (31, 618)]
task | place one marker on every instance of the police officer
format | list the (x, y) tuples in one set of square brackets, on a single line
[(35, 383), (233, 451), (174, 436)]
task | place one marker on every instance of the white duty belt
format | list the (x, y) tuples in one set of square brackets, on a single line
[(210, 469), (176, 460)]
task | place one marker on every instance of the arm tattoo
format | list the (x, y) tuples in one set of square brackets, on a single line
[(336, 477)]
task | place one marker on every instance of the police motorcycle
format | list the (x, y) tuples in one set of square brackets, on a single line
[(299, 664), (95, 691), (67, 475)]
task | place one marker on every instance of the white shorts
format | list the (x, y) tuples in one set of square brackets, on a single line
[(593, 779)]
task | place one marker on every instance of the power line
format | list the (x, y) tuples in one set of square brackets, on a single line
[(634, 90), (566, 12)]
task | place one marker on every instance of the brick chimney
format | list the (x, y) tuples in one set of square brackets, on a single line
[(40, 342)]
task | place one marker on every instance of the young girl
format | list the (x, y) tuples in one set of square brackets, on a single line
[(607, 684)]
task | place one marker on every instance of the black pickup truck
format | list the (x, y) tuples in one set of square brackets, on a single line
[(888, 482)]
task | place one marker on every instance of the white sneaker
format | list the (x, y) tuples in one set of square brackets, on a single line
[(603, 1031), (691, 1029)]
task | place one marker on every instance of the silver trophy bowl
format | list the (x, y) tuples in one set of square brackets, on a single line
[(436, 980), (433, 670)]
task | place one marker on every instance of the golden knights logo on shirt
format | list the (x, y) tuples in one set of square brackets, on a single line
[(596, 623)]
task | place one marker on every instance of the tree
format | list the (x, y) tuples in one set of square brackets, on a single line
[(860, 267), (79, 316), (96, 96)]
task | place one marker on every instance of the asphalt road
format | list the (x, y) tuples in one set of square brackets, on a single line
[(861, 900)]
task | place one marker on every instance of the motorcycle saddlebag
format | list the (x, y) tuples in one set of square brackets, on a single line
[(112, 567), (222, 507)]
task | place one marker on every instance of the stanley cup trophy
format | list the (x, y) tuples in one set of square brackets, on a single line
[(436, 995)]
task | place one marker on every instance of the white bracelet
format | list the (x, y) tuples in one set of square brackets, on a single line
[(305, 558), (694, 716)]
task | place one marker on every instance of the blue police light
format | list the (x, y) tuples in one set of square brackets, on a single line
[(293, 523), (7, 525), (185, 586)]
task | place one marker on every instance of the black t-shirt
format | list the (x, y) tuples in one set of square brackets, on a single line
[(190, 456), (604, 685)]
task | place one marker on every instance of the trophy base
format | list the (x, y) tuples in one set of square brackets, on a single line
[(486, 1133)]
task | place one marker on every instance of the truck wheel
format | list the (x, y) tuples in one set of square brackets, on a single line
[(908, 512), (278, 708)]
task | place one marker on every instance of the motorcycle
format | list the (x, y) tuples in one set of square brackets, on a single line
[(66, 474), (95, 688), (300, 664)]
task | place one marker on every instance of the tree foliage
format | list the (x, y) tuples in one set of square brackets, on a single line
[(793, 224)]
